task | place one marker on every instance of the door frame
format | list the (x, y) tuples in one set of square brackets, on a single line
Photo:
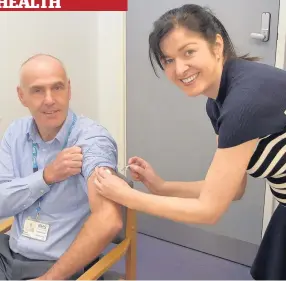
[(280, 62)]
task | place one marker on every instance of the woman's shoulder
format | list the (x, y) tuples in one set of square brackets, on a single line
[(248, 85), (253, 104), (243, 64), (253, 82), (254, 73)]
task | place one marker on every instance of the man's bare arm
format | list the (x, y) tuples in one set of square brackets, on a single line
[(101, 227)]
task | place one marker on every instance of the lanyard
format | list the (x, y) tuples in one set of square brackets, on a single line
[(35, 153)]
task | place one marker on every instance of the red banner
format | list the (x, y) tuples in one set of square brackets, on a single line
[(63, 5)]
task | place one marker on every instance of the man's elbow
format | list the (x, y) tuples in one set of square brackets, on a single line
[(112, 221), (117, 225)]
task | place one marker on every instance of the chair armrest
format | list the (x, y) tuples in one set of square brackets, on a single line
[(6, 225), (106, 261)]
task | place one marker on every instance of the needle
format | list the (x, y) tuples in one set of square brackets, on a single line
[(125, 168)]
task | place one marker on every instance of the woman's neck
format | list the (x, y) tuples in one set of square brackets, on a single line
[(213, 91)]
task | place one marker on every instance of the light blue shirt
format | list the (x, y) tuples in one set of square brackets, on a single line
[(64, 205)]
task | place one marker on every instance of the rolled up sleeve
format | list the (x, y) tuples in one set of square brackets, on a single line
[(99, 150)]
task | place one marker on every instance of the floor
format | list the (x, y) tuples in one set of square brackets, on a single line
[(160, 260)]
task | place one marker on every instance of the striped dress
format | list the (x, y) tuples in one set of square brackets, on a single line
[(251, 104), (269, 162)]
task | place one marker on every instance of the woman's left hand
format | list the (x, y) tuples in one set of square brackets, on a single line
[(110, 186)]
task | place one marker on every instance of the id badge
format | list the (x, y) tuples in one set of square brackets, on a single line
[(35, 229)]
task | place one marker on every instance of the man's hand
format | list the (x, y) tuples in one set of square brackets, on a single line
[(68, 163)]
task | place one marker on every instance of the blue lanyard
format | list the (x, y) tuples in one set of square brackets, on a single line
[(35, 153)]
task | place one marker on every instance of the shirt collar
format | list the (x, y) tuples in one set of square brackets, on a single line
[(225, 81), (61, 136), (33, 132)]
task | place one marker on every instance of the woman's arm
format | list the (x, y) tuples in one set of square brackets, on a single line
[(181, 189), (222, 183), (192, 189)]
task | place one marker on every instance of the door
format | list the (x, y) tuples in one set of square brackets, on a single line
[(173, 133)]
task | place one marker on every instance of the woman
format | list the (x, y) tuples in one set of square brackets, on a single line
[(246, 103)]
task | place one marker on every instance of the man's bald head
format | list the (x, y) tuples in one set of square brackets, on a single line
[(45, 90), (41, 63)]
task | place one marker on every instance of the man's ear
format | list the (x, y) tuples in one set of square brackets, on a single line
[(69, 89), (21, 96)]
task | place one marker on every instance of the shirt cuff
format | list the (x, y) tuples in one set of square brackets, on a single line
[(38, 186)]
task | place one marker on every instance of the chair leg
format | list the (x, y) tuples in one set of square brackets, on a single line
[(131, 261), (130, 258)]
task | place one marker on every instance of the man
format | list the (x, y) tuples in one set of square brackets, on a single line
[(47, 165)]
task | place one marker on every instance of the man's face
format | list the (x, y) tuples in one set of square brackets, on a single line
[(45, 91)]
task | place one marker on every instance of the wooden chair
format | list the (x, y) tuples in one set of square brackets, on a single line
[(125, 245)]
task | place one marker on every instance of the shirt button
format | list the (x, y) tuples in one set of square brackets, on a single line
[(24, 206), (42, 191)]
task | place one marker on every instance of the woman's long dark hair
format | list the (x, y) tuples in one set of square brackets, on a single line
[(196, 19)]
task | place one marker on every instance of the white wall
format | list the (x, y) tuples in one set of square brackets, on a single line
[(110, 80), (91, 45)]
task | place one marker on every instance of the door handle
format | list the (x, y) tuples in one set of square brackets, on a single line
[(265, 28)]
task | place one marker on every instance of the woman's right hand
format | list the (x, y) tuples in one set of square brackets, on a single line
[(141, 170)]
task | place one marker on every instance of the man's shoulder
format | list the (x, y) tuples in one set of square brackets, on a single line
[(95, 139), (19, 126), (84, 121), (91, 128)]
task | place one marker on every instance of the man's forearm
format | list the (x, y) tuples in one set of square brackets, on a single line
[(96, 234), (19, 194)]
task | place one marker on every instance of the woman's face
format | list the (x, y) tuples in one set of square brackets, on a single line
[(190, 62)]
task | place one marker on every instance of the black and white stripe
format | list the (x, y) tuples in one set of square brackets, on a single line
[(269, 162)]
